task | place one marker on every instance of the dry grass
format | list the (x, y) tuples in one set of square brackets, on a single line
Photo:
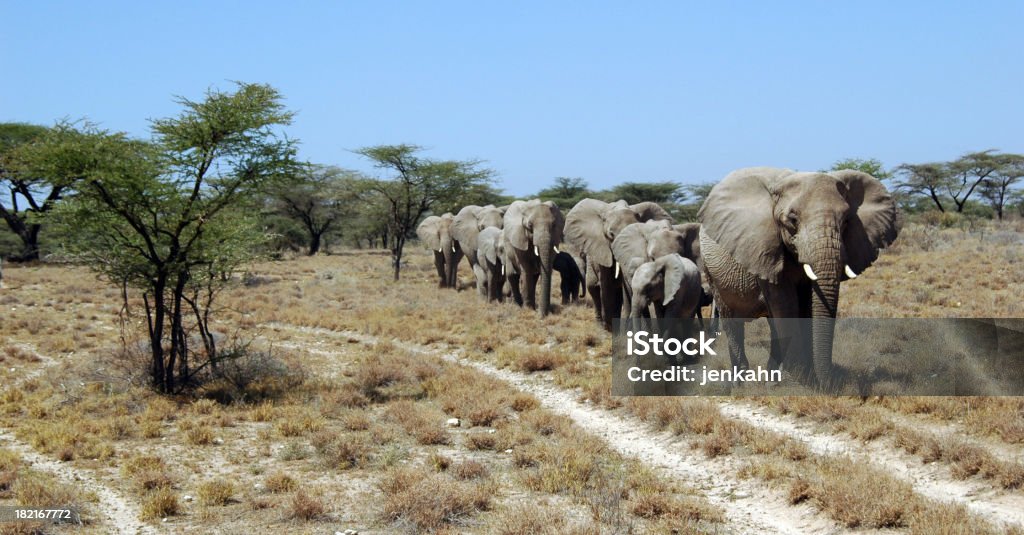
[(216, 492), (306, 507), (159, 504)]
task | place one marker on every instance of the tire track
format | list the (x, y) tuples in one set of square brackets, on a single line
[(750, 507), (119, 513), (930, 480)]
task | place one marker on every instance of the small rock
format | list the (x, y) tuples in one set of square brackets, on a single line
[(164, 519), (508, 451), (350, 532), (218, 440), (453, 422), (492, 431), (258, 487), (187, 498)]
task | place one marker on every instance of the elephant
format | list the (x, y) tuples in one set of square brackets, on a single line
[(491, 254), (777, 243), (643, 242), (435, 234), (671, 282), (532, 231), (466, 227), (572, 280), (590, 227)]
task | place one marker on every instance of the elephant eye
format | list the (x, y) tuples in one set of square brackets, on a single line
[(792, 218)]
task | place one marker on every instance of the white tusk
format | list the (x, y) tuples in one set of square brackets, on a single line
[(616, 270), (440, 249), (503, 269), (556, 248), (810, 272), (850, 273), (536, 251), (453, 249)]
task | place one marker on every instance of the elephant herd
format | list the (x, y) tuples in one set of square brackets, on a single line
[(770, 243)]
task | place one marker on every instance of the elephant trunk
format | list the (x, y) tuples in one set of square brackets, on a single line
[(827, 266), (544, 250)]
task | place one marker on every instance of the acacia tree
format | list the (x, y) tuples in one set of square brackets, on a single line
[(968, 172), (929, 179), (417, 186), (169, 217), (318, 199), (565, 192), (997, 188), (870, 166), (38, 165)]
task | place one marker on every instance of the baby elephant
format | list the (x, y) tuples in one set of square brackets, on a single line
[(491, 255), (671, 283), (573, 282)]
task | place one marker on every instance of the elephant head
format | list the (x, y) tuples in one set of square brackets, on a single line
[(802, 230), (641, 242), (671, 282), (533, 229), (435, 234), (592, 225), (466, 227)]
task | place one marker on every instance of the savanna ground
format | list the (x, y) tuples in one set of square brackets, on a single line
[(338, 417)]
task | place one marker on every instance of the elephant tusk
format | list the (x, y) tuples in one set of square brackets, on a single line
[(453, 249), (849, 272), (536, 251), (502, 269), (556, 248), (440, 249), (616, 270), (810, 272)]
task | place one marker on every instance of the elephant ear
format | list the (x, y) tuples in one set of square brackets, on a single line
[(464, 227), (873, 221), (514, 226), (674, 270), (489, 216), (488, 240), (650, 211), (630, 243), (738, 216), (428, 232), (691, 240), (584, 230)]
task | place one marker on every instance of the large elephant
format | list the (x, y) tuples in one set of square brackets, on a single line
[(435, 234), (777, 243), (590, 227), (466, 228), (491, 254), (532, 230), (671, 283)]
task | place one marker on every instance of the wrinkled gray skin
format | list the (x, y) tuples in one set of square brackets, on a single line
[(761, 226), (643, 242), (671, 283), (491, 255), (466, 227), (591, 227), (435, 234), (571, 283), (532, 229)]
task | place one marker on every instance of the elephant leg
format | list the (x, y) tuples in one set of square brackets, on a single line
[(787, 331), (530, 281), (659, 311), (481, 279), (611, 296), (513, 282), (734, 332), (439, 264)]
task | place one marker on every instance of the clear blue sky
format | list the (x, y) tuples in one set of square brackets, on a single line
[(610, 91)]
